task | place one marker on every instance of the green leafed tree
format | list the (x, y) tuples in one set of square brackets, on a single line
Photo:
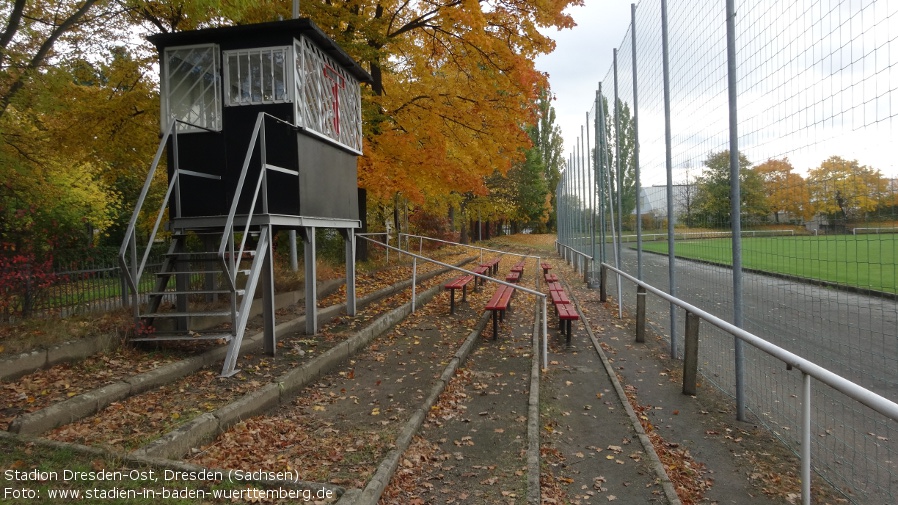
[(547, 140), (712, 199), (620, 140)]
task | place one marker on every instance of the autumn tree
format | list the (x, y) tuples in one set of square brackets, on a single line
[(712, 199), (786, 191), (454, 85), (843, 189), (47, 158)]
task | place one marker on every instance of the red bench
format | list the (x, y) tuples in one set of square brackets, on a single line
[(518, 267), (513, 277), (566, 314), (499, 303), (559, 298), (555, 286), (546, 267), (461, 282), (481, 270), (492, 264), (551, 278)]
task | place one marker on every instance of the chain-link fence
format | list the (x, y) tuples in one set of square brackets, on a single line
[(806, 97)]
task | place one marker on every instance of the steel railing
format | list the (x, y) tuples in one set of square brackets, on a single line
[(415, 257), (807, 368)]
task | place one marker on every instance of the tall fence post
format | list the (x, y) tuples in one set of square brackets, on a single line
[(640, 314), (603, 283), (690, 355)]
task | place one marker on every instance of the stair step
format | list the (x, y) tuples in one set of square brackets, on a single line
[(158, 337), (199, 313), (239, 292), (207, 256), (215, 230), (188, 272)]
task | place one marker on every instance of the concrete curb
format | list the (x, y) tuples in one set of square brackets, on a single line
[(91, 402), (177, 443), (74, 350), (534, 491), (669, 491), (378, 482)]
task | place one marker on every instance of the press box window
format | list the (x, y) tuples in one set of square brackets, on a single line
[(192, 87), (257, 76)]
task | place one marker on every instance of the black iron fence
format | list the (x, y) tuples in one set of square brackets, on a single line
[(66, 282)]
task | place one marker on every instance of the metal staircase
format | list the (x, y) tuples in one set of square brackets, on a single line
[(229, 264)]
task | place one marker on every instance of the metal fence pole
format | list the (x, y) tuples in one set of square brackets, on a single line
[(668, 163), (736, 207), (637, 182), (620, 208)]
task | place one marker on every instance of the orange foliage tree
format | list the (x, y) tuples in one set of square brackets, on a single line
[(454, 86), (786, 191)]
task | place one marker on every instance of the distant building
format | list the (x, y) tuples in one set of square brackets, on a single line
[(653, 201)]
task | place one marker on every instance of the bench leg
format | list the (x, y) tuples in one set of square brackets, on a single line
[(569, 321), (464, 292), (495, 325), (452, 301)]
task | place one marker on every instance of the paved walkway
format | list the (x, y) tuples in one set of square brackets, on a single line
[(734, 462)]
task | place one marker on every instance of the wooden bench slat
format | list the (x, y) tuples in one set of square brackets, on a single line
[(567, 314), (499, 303), (459, 283), (559, 297)]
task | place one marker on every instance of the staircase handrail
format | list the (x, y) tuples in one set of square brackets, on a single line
[(228, 231), (131, 232), (231, 264)]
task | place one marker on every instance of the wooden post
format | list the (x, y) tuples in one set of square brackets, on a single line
[(690, 354), (640, 314), (603, 284)]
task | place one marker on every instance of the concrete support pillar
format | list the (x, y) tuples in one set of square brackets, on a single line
[(311, 293), (349, 242)]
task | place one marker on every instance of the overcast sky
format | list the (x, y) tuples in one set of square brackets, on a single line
[(839, 92), (582, 58)]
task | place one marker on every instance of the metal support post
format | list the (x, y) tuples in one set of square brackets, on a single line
[(735, 207)]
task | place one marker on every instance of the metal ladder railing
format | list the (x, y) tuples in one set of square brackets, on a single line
[(229, 254), (230, 258)]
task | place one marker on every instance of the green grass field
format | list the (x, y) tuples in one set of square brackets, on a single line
[(863, 261)]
